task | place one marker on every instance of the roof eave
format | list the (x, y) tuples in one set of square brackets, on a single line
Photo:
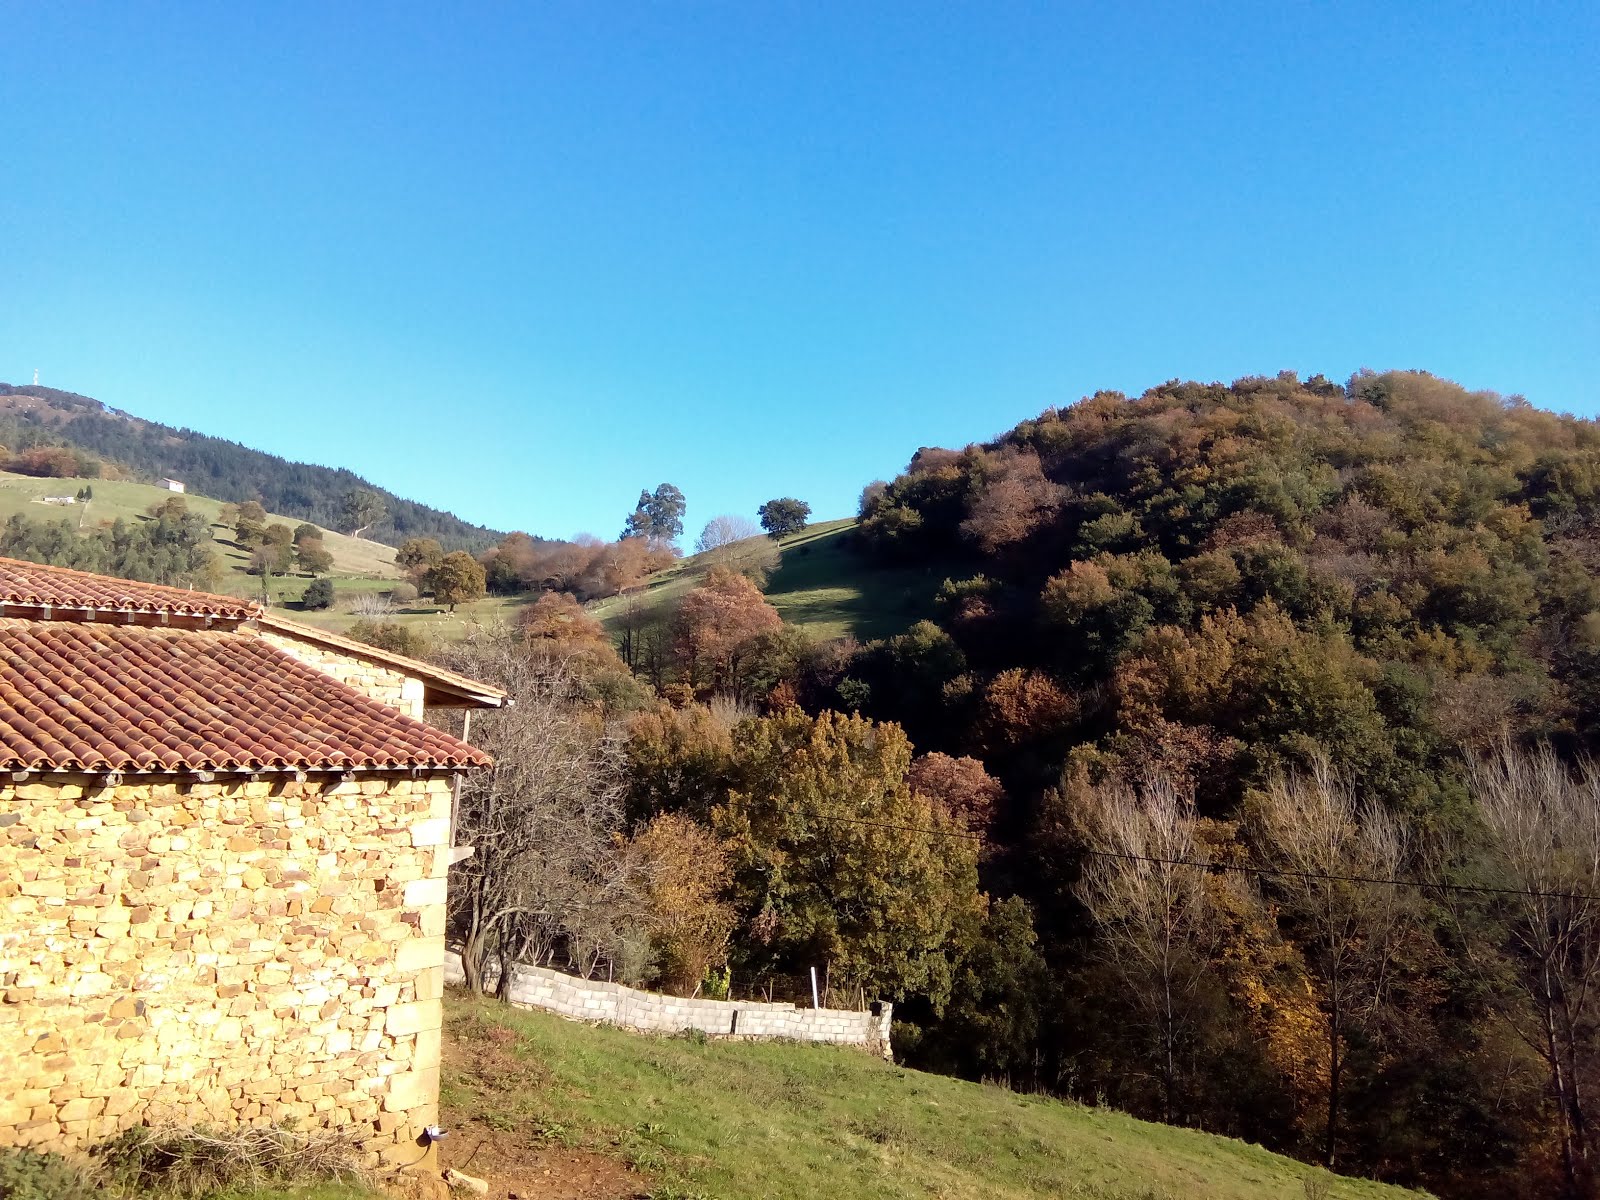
[(443, 689)]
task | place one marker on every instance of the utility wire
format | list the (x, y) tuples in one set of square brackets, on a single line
[(1248, 869), (1284, 872)]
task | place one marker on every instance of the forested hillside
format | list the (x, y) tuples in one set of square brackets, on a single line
[(41, 417), (1225, 577), (1238, 780)]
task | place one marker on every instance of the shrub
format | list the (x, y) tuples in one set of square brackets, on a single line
[(391, 636), (32, 1175), (198, 1163), (372, 604), (403, 593), (319, 594)]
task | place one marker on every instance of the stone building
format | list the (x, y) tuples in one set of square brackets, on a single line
[(223, 847)]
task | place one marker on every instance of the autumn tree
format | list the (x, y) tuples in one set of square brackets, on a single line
[(417, 556), (679, 760), (754, 558), (548, 873), (312, 556), (1021, 708), (1328, 846), (837, 864), (556, 627), (1014, 501), (683, 869), (784, 516), (558, 618), (1541, 850), (725, 530), (457, 579), (959, 787), (620, 566), (1151, 909), (714, 623), (250, 526)]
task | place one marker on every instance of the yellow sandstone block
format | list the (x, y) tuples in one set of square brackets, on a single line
[(419, 954), (403, 1019)]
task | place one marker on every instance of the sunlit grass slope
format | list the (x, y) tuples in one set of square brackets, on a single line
[(822, 584), (789, 1121), (352, 557)]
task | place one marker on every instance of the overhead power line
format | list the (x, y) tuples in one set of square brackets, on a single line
[(1287, 873), (1248, 868)]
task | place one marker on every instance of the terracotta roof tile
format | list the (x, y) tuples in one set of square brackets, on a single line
[(31, 584), (98, 697)]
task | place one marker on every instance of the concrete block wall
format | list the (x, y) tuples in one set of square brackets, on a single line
[(651, 1012), (205, 953)]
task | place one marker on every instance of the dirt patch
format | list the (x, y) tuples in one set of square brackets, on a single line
[(520, 1158), (517, 1168)]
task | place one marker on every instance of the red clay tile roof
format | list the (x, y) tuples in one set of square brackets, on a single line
[(100, 697), (30, 584)]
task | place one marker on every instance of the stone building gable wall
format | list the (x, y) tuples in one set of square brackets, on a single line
[(383, 684), (652, 1012), (206, 953)]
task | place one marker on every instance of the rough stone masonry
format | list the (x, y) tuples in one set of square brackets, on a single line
[(223, 848), (206, 953)]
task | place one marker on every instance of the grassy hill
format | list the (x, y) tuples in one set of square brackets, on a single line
[(42, 416), (357, 561), (787, 1121), (822, 585)]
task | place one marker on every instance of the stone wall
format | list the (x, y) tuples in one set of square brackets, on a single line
[(651, 1012), (383, 684), (208, 953)]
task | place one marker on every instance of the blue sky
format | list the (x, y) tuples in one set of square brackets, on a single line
[(522, 260)]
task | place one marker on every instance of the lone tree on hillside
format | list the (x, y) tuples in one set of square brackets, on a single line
[(724, 530), (658, 516), (250, 524), (784, 516), (313, 557), (457, 579), (362, 508)]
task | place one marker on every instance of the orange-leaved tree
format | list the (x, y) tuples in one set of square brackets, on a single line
[(714, 623)]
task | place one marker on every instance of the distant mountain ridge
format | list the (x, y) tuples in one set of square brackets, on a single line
[(32, 415)]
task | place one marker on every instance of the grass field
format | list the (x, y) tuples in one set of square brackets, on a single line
[(787, 1121), (822, 585), (825, 586), (355, 558), (425, 616)]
